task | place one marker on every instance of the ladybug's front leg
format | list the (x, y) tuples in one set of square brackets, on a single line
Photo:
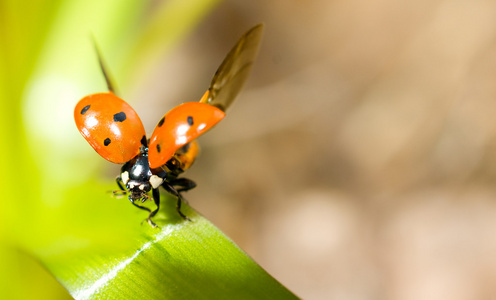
[(156, 199), (120, 183), (144, 208), (139, 206), (122, 191), (121, 186)]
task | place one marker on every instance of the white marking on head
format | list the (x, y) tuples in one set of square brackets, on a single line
[(156, 181), (131, 185), (125, 177), (142, 187)]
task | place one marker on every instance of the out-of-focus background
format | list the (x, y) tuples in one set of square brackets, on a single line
[(362, 155), (359, 161)]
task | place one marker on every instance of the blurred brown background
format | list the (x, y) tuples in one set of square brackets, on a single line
[(360, 160)]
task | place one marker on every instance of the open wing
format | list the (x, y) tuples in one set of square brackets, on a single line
[(186, 122), (234, 70), (103, 68)]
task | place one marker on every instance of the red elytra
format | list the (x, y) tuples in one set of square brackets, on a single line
[(110, 125), (115, 131), (178, 127)]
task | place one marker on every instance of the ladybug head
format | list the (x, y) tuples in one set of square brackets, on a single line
[(138, 178), (135, 174), (138, 190)]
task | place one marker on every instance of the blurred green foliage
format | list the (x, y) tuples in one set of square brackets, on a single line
[(56, 210)]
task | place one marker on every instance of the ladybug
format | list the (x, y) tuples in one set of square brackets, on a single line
[(115, 131)]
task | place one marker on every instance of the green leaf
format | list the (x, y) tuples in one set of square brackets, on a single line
[(179, 260)]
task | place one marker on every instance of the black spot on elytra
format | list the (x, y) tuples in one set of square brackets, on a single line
[(190, 120), (85, 109), (107, 142), (119, 117), (158, 148), (161, 122), (143, 141)]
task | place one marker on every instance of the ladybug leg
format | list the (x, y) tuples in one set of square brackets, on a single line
[(144, 208), (121, 192), (169, 188), (184, 184), (156, 199), (139, 206), (120, 183)]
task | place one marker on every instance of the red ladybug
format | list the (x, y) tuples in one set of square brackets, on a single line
[(114, 130)]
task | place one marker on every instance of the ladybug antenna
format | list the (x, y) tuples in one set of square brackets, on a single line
[(145, 197), (106, 75), (118, 194)]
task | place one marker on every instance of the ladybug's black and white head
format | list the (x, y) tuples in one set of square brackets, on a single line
[(138, 177)]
